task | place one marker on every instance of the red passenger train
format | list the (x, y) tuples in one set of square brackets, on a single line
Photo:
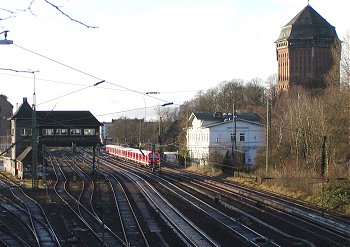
[(145, 158)]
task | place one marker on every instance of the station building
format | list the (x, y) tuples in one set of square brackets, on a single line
[(55, 129)]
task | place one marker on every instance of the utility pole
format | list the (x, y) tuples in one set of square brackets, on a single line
[(234, 136), (94, 161), (323, 162), (139, 145), (160, 135), (35, 138), (186, 150), (268, 127), (126, 134), (34, 148)]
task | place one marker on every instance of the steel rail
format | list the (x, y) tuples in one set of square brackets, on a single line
[(188, 230), (102, 232), (132, 230), (9, 238), (45, 235), (19, 213)]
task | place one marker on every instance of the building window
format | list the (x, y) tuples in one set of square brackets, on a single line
[(26, 132), (48, 132), (89, 132), (75, 132), (242, 137), (61, 132)]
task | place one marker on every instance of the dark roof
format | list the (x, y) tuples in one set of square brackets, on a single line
[(219, 117), (23, 112), (67, 118), (207, 116), (249, 116), (307, 24), (4, 99), (24, 154), (57, 118)]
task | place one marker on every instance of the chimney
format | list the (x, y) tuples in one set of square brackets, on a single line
[(24, 99)]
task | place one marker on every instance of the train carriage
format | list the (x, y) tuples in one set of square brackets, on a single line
[(145, 158)]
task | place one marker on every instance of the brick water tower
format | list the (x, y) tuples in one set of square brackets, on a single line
[(308, 53)]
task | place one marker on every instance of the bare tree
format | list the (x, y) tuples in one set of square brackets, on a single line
[(12, 13), (345, 60), (271, 86)]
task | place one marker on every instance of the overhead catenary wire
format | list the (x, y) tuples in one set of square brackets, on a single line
[(75, 91), (99, 115), (82, 85), (86, 73)]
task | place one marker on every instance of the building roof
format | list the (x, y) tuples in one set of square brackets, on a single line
[(307, 24), (24, 154), (24, 111), (3, 99), (67, 118), (220, 117), (57, 118)]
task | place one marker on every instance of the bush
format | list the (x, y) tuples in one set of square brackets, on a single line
[(335, 196)]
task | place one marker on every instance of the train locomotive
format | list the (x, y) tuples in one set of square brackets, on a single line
[(148, 159)]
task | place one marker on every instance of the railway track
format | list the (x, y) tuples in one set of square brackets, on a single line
[(17, 217), (275, 208), (245, 211), (10, 238), (241, 231), (104, 235), (40, 225), (132, 231), (307, 228), (202, 195), (248, 235), (333, 224), (187, 230), (328, 219)]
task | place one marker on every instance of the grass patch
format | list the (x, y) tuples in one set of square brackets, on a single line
[(205, 170), (334, 196)]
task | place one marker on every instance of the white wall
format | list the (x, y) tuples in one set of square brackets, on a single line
[(202, 140)]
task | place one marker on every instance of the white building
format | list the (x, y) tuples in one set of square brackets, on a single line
[(105, 133), (212, 132)]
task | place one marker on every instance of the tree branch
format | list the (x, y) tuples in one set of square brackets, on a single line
[(68, 16), (29, 8), (12, 14), (6, 10)]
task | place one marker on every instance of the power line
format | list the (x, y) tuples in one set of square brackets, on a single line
[(85, 73), (105, 114), (42, 79), (64, 95)]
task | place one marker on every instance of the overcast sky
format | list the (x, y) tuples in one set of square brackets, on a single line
[(175, 47)]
